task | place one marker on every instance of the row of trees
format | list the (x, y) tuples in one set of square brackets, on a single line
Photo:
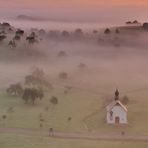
[(6, 29), (135, 22), (28, 94), (36, 35)]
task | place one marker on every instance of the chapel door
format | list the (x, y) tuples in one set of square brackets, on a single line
[(117, 120)]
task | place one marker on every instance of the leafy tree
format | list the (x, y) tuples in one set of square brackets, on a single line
[(128, 22), (79, 32), (135, 22), (32, 94), (132, 22), (107, 31), (54, 100), (33, 34), (20, 32), (26, 95), (15, 89), (31, 40), (65, 34)]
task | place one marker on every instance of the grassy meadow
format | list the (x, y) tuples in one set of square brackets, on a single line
[(17, 141), (107, 68)]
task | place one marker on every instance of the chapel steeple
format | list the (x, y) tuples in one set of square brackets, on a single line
[(116, 95)]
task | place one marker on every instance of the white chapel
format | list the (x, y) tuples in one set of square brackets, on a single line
[(116, 111)]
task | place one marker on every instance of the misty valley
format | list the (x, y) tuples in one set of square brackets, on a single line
[(58, 82)]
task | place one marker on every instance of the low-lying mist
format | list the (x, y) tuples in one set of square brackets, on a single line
[(112, 60)]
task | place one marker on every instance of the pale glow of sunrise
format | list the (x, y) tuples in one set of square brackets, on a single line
[(77, 10), (69, 3)]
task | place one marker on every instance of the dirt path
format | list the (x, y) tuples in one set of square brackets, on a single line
[(66, 135)]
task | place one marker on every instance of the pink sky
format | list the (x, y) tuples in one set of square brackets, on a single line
[(78, 9), (69, 3)]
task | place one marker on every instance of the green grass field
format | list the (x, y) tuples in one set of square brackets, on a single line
[(18, 141), (85, 108)]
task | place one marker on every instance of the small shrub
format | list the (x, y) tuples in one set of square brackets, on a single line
[(54, 100), (4, 117)]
